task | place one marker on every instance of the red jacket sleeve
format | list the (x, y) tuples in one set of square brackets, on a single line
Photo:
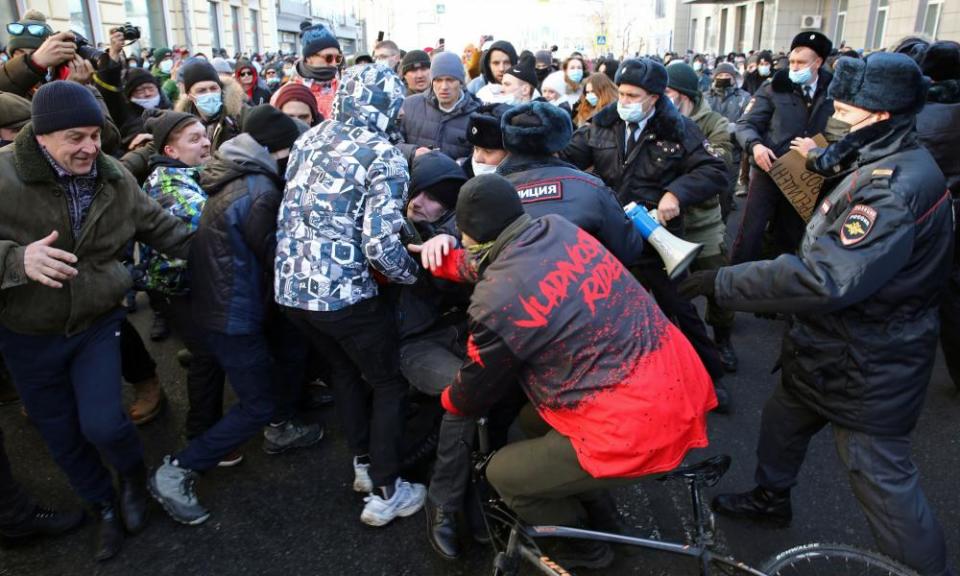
[(456, 268), (487, 373)]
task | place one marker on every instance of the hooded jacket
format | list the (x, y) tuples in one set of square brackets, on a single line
[(486, 76), (594, 354), (33, 206), (671, 155), (425, 124), (342, 207), (176, 187), (256, 94), (864, 287), (231, 259), (226, 124)]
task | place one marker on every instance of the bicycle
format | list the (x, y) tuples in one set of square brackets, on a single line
[(515, 542)]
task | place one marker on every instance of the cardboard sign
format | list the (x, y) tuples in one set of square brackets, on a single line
[(799, 185)]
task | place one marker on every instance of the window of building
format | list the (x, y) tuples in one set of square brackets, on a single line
[(660, 7), (931, 17), (213, 12), (706, 33), (148, 15), (693, 34), (880, 23), (758, 26), (841, 23), (723, 30), (288, 42), (255, 31), (739, 28), (81, 19), (237, 28)]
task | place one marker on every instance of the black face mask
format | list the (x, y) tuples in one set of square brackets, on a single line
[(723, 83), (321, 73), (542, 73)]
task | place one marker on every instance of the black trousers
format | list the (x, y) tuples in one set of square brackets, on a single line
[(766, 203), (15, 505), (359, 345), (950, 328), (136, 364), (880, 470)]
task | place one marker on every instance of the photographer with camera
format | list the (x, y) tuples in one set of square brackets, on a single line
[(33, 49)]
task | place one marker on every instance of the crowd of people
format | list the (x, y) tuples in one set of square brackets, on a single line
[(421, 226)]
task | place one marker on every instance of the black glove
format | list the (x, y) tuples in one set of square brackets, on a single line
[(698, 284)]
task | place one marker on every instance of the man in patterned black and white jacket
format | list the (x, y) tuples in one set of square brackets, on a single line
[(341, 215)]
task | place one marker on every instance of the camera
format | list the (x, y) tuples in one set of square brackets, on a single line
[(86, 50), (131, 33)]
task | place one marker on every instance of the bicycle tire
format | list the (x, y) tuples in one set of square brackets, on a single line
[(833, 560)]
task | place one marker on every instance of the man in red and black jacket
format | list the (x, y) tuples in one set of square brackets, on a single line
[(618, 392)]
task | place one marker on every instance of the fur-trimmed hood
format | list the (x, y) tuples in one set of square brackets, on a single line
[(781, 80), (233, 99), (32, 167), (667, 122)]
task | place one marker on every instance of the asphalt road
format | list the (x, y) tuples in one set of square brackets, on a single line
[(295, 514)]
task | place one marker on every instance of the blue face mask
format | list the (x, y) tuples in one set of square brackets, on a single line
[(591, 98), (209, 104), (801, 76), (633, 113), (575, 76)]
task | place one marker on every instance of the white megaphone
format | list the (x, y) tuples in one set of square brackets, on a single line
[(676, 253)]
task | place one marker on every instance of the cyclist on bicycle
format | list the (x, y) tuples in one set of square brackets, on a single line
[(616, 391)]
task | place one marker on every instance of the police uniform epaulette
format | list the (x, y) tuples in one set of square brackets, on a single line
[(881, 176)]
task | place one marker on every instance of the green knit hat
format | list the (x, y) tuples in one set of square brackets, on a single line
[(683, 79), (27, 41)]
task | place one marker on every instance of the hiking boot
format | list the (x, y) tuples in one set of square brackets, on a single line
[(589, 554), (159, 331), (109, 532), (289, 435), (43, 522), (173, 487), (728, 356), (230, 460), (407, 500), (133, 499), (442, 532), (147, 402), (361, 475), (757, 504), (723, 397)]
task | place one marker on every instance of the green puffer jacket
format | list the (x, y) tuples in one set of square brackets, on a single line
[(33, 205)]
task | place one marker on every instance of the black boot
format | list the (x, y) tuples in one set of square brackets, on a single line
[(109, 532), (159, 331), (43, 522), (723, 397), (757, 504), (133, 499), (442, 532), (728, 356), (590, 554)]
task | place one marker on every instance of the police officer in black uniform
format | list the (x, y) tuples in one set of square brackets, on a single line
[(793, 103), (864, 291)]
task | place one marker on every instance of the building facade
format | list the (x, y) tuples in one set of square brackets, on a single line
[(238, 26), (339, 16)]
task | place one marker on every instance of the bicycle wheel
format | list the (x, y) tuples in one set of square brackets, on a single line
[(833, 560)]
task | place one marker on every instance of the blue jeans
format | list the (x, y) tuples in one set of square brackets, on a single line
[(70, 386)]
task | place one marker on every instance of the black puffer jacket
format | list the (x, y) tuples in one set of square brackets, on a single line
[(548, 185), (777, 114), (938, 126), (425, 124), (231, 260), (670, 156), (864, 287)]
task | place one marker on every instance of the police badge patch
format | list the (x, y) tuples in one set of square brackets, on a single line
[(858, 224), (711, 150)]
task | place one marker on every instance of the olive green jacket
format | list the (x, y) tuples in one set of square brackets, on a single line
[(33, 205), (704, 222)]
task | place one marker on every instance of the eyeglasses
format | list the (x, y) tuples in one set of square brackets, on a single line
[(246, 73), (331, 58), (38, 30)]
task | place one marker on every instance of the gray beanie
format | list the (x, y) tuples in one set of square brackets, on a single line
[(447, 64)]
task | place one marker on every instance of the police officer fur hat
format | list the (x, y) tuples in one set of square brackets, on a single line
[(643, 72), (815, 41), (882, 81), (536, 129), (941, 61), (483, 126)]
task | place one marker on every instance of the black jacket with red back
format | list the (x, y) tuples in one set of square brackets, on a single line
[(597, 358), (671, 155), (548, 185)]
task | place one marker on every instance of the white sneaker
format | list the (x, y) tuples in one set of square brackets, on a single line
[(361, 477), (407, 500)]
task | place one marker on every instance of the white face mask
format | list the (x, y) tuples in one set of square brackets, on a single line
[(165, 66), (480, 168), (147, 103)]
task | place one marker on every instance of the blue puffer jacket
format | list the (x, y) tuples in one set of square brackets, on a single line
[(425, 124), (231, 259)]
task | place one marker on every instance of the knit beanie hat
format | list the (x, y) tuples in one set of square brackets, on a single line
[(295, 92), (536, 129), (315, 38), (414, 60), (28, 41), (270, 127), (221, 66), (556, 82), (483, 126), (14, 111), (137, 77), (439, 176), (526, 71), (644, 73), (814, 41), (51, 114), (544, 57), (882, 81), (163, 122), (722, 68), (447, 64), (486, 206), (941, 61), (198, 71), (161, 53), (683, 79)]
